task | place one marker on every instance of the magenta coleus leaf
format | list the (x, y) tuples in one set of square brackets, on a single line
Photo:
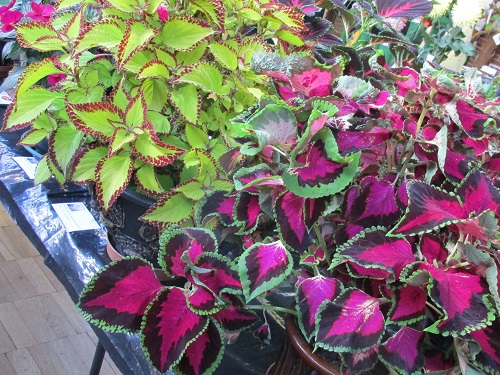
[(312, 82), (432, 248), (403, 351), (362, 361), (488, 339), (322, 170), (247, 211), (219, 204), (351, 141), (262, 267), (471, 120), (353, 322), (117, 296), (407, 9), (408, 304), (478, 193), (355, 270), (465, 309), (372, 248), (289, 216), (250, 178), (311, 293), (235, 317), (168, 327), (204, 354)]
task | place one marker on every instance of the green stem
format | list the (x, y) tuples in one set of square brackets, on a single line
[(273, 308), (322, 242)]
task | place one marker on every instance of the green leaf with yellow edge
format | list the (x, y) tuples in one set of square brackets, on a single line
[(154, 69), (191, 189), (184, 33), (187, 101), (84, 169), (172, 208), (75, 25), (145, 177), (155, 93), (66, 141), (290, 37), (151, 150), (34, 73), (196, 137), (120, 138), (225, 55), (207, 77), (136, 112), (29, 106), (113, 176), (161, 124), (136, 37), (192, 56), (42, 171), (106, 34), (39, 36), (32, 137)]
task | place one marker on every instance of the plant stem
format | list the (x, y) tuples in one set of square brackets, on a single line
[(321, 242), (273, 308)]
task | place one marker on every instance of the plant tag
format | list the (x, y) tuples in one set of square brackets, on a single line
[(28, 165), (496, 39), (75, 216)]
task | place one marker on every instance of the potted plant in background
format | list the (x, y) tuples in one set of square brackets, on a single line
[(142, 95), (373, 195)]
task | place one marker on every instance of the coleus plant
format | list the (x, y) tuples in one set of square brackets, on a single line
[(143, 91), (374, 195)]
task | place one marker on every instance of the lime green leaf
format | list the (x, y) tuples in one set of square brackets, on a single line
[(66, 141), (30, 105), (173, 208), (32, 137), (120, 138), (113, 176), (145, 177), (151, 150), (154, 68), (55, 172), (97, 119), (191, 189), (136, 36), (250, 14), (42, 171), (212, 9), (206, 76), (225, 55), (155, 93), (187, 101), (184, 33), (165, 57), (107, 34), (128, 6), (34, 73), (75, 25), (40, 36), (160, 122), (192, 56), (136, 112), (290, 37), (85, 167), (81, 95), (197, 138), (290, 18), (65, 4), (222, 185), (138, 60)]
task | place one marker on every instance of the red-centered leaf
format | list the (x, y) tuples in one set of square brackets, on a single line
[(204, 354), (311, 293), (203, 241), (429, 208), (117, 296), (262, 267), (353, 322), (218, 276), (432, 248), (471, 119), (403, 352), (313, 82), (355, 270), (97, 119), (372, 248), (484, 226), (219, 204), (249, 178), (150, 149), (362, 361), (488, 339), (478, 194), (313, 208), (235, 318), (351, 141), (168, 327), (376, 205), (407, 9), (408, 304), (465, 309), (173, 244), (456, 166), (289, 215), (247, 211)]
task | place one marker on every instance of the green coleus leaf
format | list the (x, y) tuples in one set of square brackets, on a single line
[(39, 36), (161, 124), (33, 136), (82, 95), (34, 73), (172, 208), (191, 189), (150, 149), (138, 60), (97, 119), (74, 25), (106, 34), (29, 106), (155, 91), (120, 138), (213, 9), (197, 138), (65, 142), (225, 54), (154, 68), (135, 114), (65, 4), (192, 56), (136, 37), (187, 101), (184, 33), (290, 37), (146, 179), (42, 171), (113, 176), (207, 77), (84, 168)]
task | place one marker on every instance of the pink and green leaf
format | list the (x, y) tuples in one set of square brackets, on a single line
[(117, 296), (408, 305), (235, 317), (403, 8), (403, 351), (219, 204), (488, 339), (246, 211), (289, 216), (250, 179)]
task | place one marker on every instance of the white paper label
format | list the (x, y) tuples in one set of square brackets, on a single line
[(28, 165), (75, 216)]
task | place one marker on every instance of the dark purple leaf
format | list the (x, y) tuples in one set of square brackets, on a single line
[(217, 204), (165, 335), (262, 267), (373, 249), (247, 211), (117, 296), (289, 215), (489, 340), (352, 322), (351, 141), (408, 304), (407, 9), (204, 354), (316, 28), (235, 318), (263, 334), (456, 166), (311, 293), (402, 351), (432, 248)]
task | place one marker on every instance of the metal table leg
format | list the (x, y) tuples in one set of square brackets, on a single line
[(95, 369)]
